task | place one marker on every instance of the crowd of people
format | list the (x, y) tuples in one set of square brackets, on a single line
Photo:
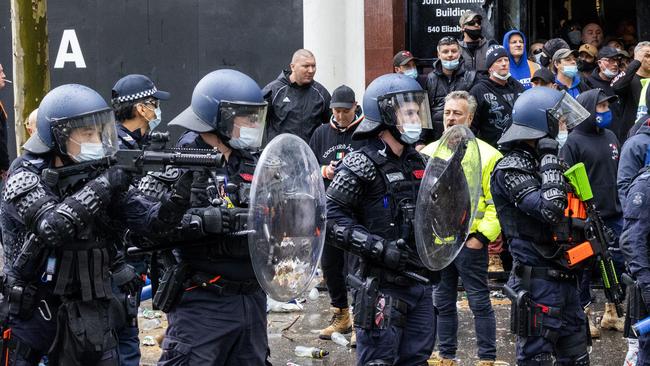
[(71, 289)]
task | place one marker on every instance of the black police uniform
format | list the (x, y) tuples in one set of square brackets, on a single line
[(60, 259), (529, 194), (372, 200)]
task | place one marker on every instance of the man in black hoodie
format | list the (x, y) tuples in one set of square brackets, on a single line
[(593, 144), (297, 103), (474, 46), (495, 96), (330, 143)]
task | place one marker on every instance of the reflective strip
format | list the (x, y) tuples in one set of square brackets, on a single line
[(480, 214), (489, 202)]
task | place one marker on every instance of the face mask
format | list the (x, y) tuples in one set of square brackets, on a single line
[(570, 70), (156, 121), (584, 66), (561, 137), (411, 133), (604, 119), (503, 78), (609, 74), (412, 73), (538, 58), (473, 33), (248, 137), (575, 37), (450, 65), (90, 151)]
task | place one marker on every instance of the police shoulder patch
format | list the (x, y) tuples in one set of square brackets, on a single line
[(638, 199)]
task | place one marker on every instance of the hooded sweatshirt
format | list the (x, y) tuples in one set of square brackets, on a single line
[(295, 109), (524, 69), (598, 149)]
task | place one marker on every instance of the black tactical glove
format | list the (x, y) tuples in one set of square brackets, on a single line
[(183, 188), (214, 220), (118, 179), (394, 255), (125, 277), (546, 146)]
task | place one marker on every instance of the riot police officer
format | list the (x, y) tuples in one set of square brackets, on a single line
[(59, 232), (530, 196), (371, 202), (215, 306)]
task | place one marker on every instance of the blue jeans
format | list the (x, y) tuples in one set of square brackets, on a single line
[(471, 265), (409, 345)]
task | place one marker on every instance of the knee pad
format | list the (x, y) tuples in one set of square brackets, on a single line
[(542, 359), (379, 363)]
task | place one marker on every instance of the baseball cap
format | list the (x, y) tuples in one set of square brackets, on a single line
[(588, 49), (134, 87), (468, 16), (403, 57), (563, 53), (543, 74), (603, 97), (552, 45), (342, 97), (609, 52)]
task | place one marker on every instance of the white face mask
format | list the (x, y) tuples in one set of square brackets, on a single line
[(89, 151), (156, 121), (561, 137), (411, 133), (248, 137), (504, 78)]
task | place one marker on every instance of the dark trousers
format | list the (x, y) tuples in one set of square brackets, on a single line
[(565, 335), (336, 264), (409, 345), (471, 265), (206, 328)]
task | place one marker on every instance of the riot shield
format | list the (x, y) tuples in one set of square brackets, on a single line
[(286, 217), (448, 198)]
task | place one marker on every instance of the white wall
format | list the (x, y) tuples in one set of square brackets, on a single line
[(333, 31)]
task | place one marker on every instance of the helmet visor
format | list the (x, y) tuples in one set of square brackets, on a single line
[(404, 108), (243, 121), (74, 135), (568, 111)]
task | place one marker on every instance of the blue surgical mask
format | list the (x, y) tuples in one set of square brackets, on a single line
[(412, 73), (561, 137), (609, 74), (411, 133), (90, 151), (156, 121), (248, 137), (604, 119), (450, 65), (570, 70)]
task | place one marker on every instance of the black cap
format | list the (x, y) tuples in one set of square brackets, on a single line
[(552, 45), (343, 97), (609, 52), (402, 58), (134, 87), (604, 97), (494, 53), (543, 74)]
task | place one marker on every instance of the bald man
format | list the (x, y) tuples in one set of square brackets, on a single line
[(297, 103)]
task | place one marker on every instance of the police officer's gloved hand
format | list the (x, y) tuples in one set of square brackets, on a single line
[(394, 255), (546, 146), (118, 179), (182, 190), (125, 277), (214, 220)]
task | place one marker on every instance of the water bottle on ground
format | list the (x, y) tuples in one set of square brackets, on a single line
[(339, 339), (313, 352)]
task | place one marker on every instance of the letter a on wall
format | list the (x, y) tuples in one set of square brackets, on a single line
[(69, 40)]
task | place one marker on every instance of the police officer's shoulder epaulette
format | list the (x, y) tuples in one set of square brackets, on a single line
[(516, 162), (20, 183), (360, 165)]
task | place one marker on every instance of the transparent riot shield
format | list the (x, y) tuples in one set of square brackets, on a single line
[(287, 217), (448, 198)]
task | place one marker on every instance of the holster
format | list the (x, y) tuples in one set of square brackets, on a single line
[(373, 309), (21, 300), (170, 287), (527, 316)]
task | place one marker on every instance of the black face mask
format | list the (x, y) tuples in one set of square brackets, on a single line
[(474, 34), (584, 66)]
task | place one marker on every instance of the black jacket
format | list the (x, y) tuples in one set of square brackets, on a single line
[(595, 81), (627, 85), (295, 109), (474, 53), (331, 142), (599, 150), (439, 85), (494, 112)]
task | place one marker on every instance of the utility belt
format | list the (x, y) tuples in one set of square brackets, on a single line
[(636, 309), (527, 316), (181, 277), (526, 273), (374, 309)]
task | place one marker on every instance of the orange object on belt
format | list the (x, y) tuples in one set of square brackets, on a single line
[(579, 253), (575, 208)]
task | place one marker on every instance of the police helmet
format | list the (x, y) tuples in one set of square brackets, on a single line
[(538, 113), (228, 103), (386, 102), (74, 114)]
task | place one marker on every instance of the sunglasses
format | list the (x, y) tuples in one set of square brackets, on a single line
[(474, 23), (447, 40), (537, 51)]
